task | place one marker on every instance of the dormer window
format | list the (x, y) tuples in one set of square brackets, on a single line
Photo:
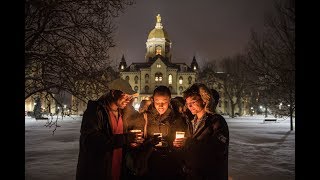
[(122, 66), (194, 68), (158, 50), (158, 65)]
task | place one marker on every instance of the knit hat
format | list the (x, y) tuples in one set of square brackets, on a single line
[(122, 85)]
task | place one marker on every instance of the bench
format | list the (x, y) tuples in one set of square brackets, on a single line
[(269, 120), (42, 118)]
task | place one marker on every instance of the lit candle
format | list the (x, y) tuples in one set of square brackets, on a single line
[(179, 134)]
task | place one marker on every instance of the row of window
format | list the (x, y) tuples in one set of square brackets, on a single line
[(158, 78), (146, 89)]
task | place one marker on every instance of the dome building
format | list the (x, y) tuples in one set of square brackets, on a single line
[(158, 68)]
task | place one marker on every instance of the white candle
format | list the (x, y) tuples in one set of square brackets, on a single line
[(135, 130), (179, 134)]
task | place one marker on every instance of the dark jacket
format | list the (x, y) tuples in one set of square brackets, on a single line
[(161, 161), (97, 143), (206, 151)]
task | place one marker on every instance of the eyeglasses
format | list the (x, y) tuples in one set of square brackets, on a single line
[(192, 102)]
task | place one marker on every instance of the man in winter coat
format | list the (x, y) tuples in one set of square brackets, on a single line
[(104, 136), (206, 150), (159, 118)]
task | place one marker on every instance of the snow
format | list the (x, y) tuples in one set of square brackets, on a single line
[(257, 150)]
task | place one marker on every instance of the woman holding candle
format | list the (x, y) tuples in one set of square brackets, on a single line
[(206, 150)]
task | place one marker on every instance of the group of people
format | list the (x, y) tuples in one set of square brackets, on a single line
[(118, 142)]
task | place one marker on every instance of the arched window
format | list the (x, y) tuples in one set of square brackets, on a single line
[(190, 79), (158, 50), (170, 79), (158, 76), (181, 89), (146, 89), (180, 80), (146, 78), (127, 78), (136, 88), (136, 79)]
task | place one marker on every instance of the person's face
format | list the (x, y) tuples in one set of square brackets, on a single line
[(194, 104), (124, 100), (161, 103)]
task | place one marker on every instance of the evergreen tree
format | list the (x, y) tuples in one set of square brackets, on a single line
[(37, 108)]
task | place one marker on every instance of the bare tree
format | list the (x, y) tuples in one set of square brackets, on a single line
[(67, 45), (234, 81), (272, 57)]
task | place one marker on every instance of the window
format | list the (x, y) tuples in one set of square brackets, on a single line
[(158, 50), (136, 79), (136, 88), (180, 89), (146, 89), (180, 80), (194, 68), (158, 65), (170, 87), (158, 76), (127, 78), (146, 78), (190, 79), (170, 79), (122, 66)]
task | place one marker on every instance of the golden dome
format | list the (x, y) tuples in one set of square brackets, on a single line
[(158, 33)]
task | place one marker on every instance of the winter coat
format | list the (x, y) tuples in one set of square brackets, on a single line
[(97, 143), (161, 161), (206, 151)]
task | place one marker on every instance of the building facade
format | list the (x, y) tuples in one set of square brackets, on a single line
[(158, 68)]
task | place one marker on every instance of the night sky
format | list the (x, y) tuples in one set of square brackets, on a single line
[(206, 29)]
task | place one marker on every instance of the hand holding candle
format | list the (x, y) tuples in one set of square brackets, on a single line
[(179, 140), (138, 137)]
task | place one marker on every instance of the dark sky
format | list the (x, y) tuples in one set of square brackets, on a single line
[(207, 29)]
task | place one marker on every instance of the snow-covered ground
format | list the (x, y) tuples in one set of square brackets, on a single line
[(258, 150)]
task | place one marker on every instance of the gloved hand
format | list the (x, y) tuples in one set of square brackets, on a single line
[(155, 139), (131, 138)]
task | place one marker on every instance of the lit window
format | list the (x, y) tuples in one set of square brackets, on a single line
[(158, 50), (194, 68), (122, 67), (170, 79), (158, 65), (158, 76), (180, 80)]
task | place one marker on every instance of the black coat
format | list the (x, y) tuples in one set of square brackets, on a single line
[(97, 143), (206, 151)]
